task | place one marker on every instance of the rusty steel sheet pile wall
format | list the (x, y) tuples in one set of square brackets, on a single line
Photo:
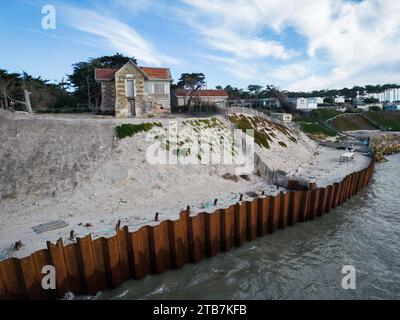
[(89, 266)]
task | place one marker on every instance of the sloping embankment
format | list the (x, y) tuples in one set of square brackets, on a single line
[(42, 157)]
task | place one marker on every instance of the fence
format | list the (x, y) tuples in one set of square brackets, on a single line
[(89, 266), (80, 108)]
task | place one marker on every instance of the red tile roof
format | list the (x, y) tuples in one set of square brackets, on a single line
[(104, 74), (157, 73), (151, 73), (202, 93)]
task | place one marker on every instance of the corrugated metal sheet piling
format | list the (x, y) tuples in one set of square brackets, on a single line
[(89, 266)]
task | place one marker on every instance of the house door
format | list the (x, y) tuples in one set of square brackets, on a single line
[(149, 106), (133, 107)]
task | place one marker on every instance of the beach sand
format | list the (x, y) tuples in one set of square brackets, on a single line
[(54, 171)]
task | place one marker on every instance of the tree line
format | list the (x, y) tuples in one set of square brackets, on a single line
[(271, 91), (80, 87)]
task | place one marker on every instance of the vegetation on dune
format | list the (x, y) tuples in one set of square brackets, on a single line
[(200, 124), (355, 122), (197, 138), (386, 120), (319, 115), (312, 123), (129, 130), (316, 129), (263, 129)]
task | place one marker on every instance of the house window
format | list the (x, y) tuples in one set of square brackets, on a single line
[(148, 87), (159, 88), (130, 88)]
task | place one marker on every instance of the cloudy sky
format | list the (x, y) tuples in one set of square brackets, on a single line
[(294, 44)]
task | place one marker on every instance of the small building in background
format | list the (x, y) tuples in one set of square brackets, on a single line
[(340, 99), (301, 104), (313, 102), (368, 106), (284, 117), (201, 97), (388, 95), (394, 106)]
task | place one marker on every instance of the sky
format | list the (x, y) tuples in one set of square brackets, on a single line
[(293, 44)]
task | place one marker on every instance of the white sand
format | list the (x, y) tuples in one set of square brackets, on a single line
[(326, 169), (111, 182)]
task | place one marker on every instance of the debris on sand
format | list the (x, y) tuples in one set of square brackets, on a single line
[(252, 194), (18, 245), (49, 226), (229, 176)]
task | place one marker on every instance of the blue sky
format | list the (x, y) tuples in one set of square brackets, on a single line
[(295, 44)]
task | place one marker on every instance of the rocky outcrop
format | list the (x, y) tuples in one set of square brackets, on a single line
[(385, 144)]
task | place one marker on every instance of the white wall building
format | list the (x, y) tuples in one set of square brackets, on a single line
[(389, 95), (301, 104), (340, 100), (285, 117), (392, 106), (314, 101), (366, 107)]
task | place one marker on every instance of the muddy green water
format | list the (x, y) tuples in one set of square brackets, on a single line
[(301, 262)]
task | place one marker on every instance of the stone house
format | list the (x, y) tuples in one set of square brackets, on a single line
[(134, 91)]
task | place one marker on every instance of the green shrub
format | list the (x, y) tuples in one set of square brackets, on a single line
[(314, 128), (374, 108), (129, 130)]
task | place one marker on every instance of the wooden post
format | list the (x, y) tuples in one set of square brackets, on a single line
[(284, 210), (10, 283), (240, 224), (263, 215), (141, 252), (197, 237), (57, 260), (228, 228), (89, 266), (160, 247), (274, 216), (179, 241), (251, 213), (27, 101), (213, 233), (305, 205)]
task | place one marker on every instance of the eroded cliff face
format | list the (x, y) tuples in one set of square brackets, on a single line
[(42, 157)]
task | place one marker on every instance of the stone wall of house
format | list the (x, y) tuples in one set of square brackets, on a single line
[(160, 103), (107, 96), (122, 103)]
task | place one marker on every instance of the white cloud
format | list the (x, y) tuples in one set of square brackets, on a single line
[(228, 26), (136, 6), (116, 35), (289, 72), (240, 70), (354, 39)]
